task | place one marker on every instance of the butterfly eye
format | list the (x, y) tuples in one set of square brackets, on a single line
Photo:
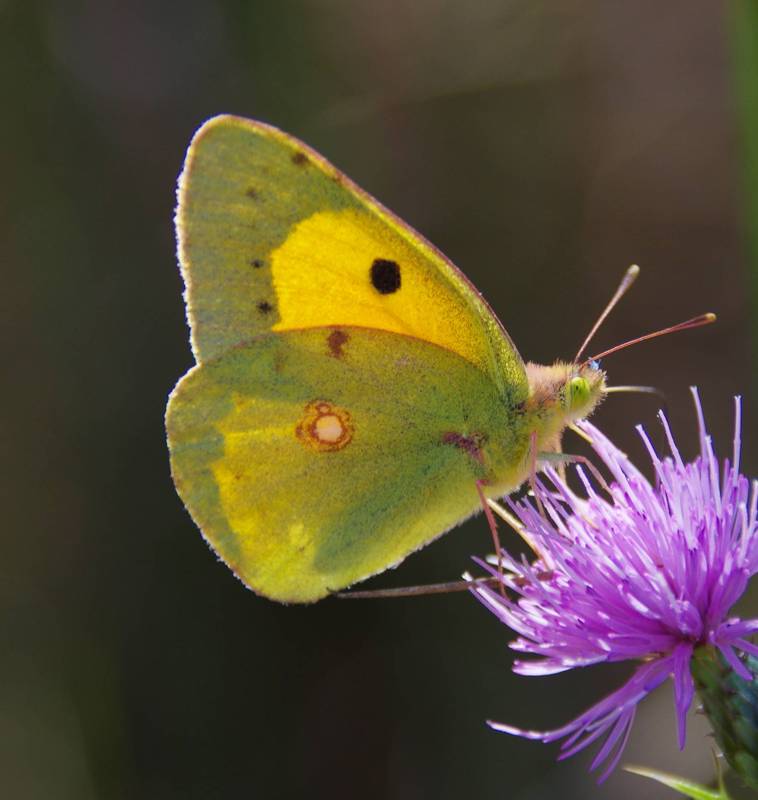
[(577, 393)]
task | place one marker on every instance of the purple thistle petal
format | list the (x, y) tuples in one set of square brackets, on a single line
[(746, 647), (578, 744), (501, 727), (731, 628), (627, 719), (615, 712), (648, 575), (684, 688), (734, 662)]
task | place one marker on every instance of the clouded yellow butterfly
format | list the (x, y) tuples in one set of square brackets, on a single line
[(351, 385)]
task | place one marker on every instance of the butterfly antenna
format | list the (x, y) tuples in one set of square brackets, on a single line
[(695, 322), (630, 276), (636, 389)]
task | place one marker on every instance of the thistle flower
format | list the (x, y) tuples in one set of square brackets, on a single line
[(649, 575)]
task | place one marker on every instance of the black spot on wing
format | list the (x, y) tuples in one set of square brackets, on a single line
[(252, 193), (257, 263), (300, 159), (265, 307), (385, 276)]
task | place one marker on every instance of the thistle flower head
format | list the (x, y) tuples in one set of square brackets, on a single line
[(649, 575)]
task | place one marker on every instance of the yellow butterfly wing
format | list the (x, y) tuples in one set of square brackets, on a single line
[(351, 387), (307, 472), (272, 237)]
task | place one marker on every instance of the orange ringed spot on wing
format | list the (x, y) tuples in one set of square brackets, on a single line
[(325, 426), (329, 429)]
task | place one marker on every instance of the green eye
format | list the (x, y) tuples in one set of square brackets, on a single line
[(577, 392)]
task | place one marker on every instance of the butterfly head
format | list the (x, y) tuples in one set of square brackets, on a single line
[(564, 393), (583, 388)]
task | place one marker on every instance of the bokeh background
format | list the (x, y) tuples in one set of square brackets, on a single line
[(544, 146)]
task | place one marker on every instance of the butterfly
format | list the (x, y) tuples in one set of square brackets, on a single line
[(353, 392)]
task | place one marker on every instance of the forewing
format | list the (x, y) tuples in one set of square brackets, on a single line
[(272, 238)]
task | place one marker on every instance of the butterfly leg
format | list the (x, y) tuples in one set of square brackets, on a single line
[(493, 530), (533, 472), (563, 459)]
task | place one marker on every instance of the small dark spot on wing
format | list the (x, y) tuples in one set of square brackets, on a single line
[(252, 193), (265, 307), (300, 159), (336, 341), (257, 263), (385, 275), (469, 444)]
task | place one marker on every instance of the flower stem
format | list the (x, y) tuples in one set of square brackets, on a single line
[(731, 704)]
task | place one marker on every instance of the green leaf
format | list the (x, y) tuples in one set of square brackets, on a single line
[(694, 790)]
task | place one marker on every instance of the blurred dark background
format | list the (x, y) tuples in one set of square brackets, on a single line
[(544, 147)]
